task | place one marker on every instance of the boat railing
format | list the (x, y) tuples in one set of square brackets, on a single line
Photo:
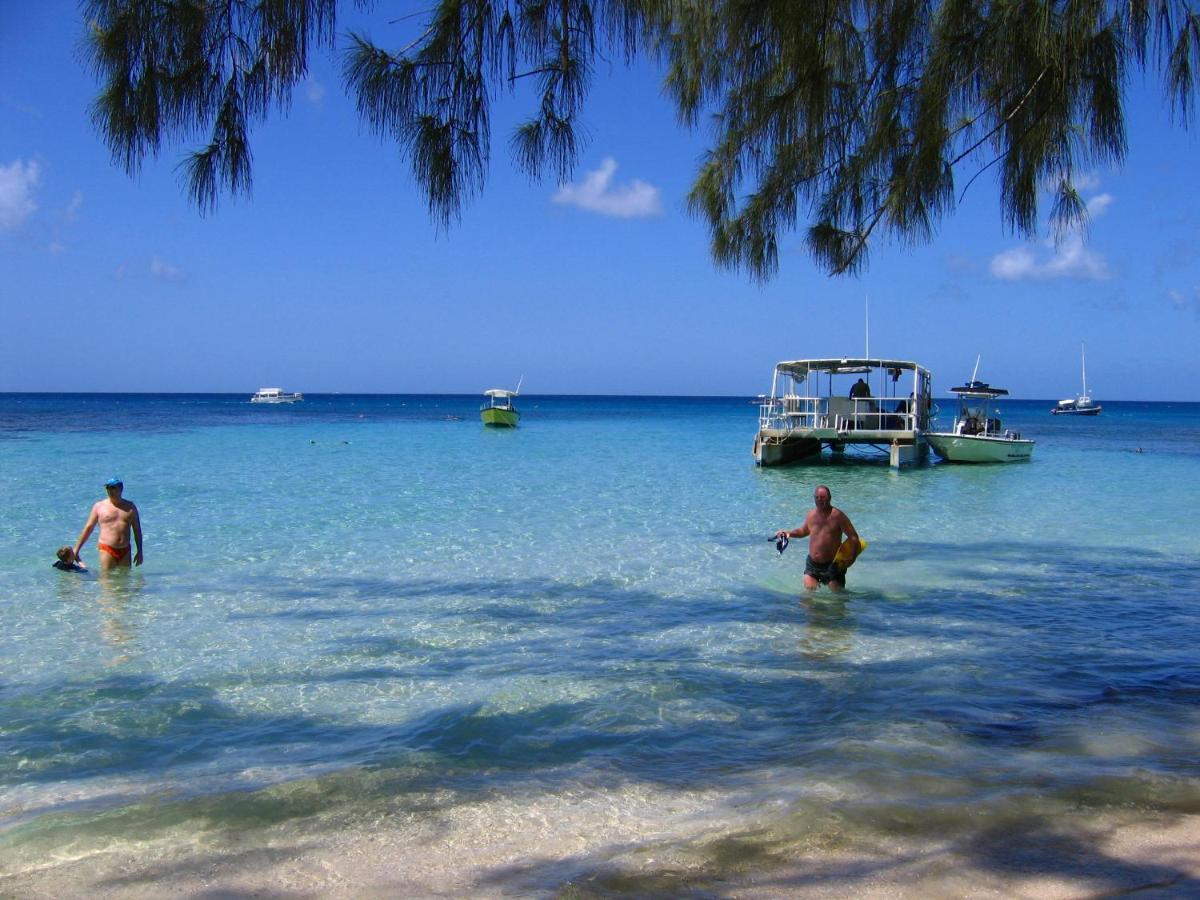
[(791, 412)]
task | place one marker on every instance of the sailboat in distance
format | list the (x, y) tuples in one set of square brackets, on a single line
[(1083, 405)]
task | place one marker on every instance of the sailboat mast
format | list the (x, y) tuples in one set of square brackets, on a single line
[(1083, 364)]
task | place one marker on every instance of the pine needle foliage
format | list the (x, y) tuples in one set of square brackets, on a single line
[(861, 114), (198, 68), (852, 120)]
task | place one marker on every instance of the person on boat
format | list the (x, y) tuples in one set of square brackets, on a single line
[(117, 517), (860, 389), (824, 526)]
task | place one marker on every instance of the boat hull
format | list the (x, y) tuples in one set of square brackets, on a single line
[(774, 451), (494, 417), (962, 448), (1086, 411)]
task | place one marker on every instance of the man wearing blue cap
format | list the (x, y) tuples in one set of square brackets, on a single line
[(116, 517)]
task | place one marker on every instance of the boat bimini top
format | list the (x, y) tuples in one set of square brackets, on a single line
[(801, 368), (979, 389)]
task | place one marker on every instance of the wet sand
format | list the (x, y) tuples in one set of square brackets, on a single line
[(450, 856)]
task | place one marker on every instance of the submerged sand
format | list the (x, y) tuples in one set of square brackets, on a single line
[(560, 847)]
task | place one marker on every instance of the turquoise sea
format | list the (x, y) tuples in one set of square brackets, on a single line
[(568, 653)]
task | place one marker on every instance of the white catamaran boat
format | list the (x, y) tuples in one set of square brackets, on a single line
[(1083, 405), (274, 395), (977, 435), (815, 403)]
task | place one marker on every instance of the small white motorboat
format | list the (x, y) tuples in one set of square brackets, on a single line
[(978, 435)]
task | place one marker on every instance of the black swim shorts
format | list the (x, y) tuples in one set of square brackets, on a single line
[(823, 572)]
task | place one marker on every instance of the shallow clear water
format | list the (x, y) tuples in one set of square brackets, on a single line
[(361, 608)]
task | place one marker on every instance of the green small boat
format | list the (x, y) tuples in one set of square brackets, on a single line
[(498, 410)]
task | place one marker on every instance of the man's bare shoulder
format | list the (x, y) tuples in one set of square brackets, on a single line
[(842, 518)]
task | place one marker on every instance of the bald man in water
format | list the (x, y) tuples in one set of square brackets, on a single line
[(824, 526), (117, 517)]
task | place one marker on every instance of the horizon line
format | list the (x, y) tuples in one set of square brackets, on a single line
[(647, 396)]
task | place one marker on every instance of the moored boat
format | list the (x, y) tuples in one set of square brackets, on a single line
[(498, 410), (1083, 405), (978, 435), (813, 405), (274, 395)]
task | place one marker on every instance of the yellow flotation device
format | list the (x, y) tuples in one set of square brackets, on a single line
[(845, 556)]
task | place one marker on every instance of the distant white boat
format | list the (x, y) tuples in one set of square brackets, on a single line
[(274, 395), (1083, 405)]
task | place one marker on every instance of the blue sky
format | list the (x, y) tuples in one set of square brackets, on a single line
[(331, 276)]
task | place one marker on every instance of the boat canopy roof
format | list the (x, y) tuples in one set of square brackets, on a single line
[(979, 389), (499, 392), (799, 368)]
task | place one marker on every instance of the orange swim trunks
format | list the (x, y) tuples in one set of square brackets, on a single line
[(117, 553)]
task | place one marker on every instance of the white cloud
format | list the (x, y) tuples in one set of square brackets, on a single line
[(1099, 205), (1066, 258), (75, 206), (17, 181), (597, 193), (314, 91), (1088, 181), (1014, 264), (164, 271)]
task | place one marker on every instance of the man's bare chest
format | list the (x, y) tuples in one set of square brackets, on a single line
[(114, 515)]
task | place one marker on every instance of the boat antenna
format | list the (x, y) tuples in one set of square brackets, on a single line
[(519, 380), (1083, 364), (867, 325), (976, 372)]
